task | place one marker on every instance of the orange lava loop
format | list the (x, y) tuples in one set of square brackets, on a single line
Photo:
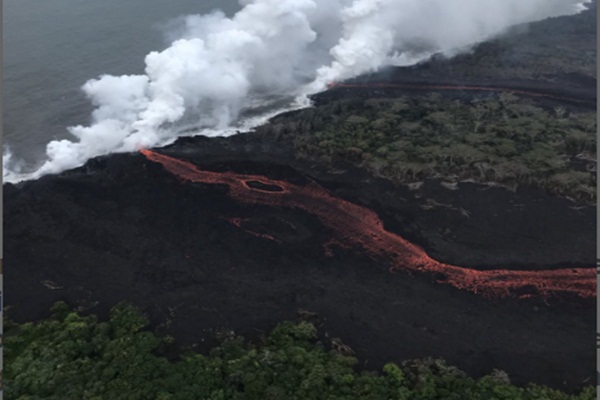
[(332, 85), (359, 226)]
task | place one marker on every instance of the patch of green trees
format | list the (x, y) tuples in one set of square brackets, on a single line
[(70, 356), (494, 139)]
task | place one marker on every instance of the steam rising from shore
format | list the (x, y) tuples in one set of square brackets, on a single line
[(272, 54)]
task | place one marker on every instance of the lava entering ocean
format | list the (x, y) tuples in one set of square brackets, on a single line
[(358, 226)]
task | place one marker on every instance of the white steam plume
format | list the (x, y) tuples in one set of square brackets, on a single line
[(403, 32), (268, 53)]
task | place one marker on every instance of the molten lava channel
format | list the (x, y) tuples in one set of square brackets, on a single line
[(358, 226)]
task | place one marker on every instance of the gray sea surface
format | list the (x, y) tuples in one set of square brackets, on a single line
[(52, 47)]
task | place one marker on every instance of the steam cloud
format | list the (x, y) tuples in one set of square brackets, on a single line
[(272, 53)]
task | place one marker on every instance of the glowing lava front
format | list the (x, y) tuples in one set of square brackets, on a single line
[(358, 226)]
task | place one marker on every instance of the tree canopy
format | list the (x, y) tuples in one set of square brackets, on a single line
[(70, 356)]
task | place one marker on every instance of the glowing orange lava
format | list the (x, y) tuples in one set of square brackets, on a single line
[(332, 85), (354, 225), (239, 222)]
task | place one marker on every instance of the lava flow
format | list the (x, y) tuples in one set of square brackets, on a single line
[(409, 86), (354, 225)]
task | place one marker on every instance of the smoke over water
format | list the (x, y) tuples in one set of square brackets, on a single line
[(270, 55)]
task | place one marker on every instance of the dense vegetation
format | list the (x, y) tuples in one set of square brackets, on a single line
[(492, 139), (70, 356)]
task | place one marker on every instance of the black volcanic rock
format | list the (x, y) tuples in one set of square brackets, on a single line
[(474, 225), (122, 228)]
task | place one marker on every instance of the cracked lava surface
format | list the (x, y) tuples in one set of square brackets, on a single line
[(357, 226)]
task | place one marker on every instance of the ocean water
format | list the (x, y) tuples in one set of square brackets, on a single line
[(52, 47)]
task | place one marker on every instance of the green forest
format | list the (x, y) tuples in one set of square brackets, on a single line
[(503, 140), (71, 356)]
